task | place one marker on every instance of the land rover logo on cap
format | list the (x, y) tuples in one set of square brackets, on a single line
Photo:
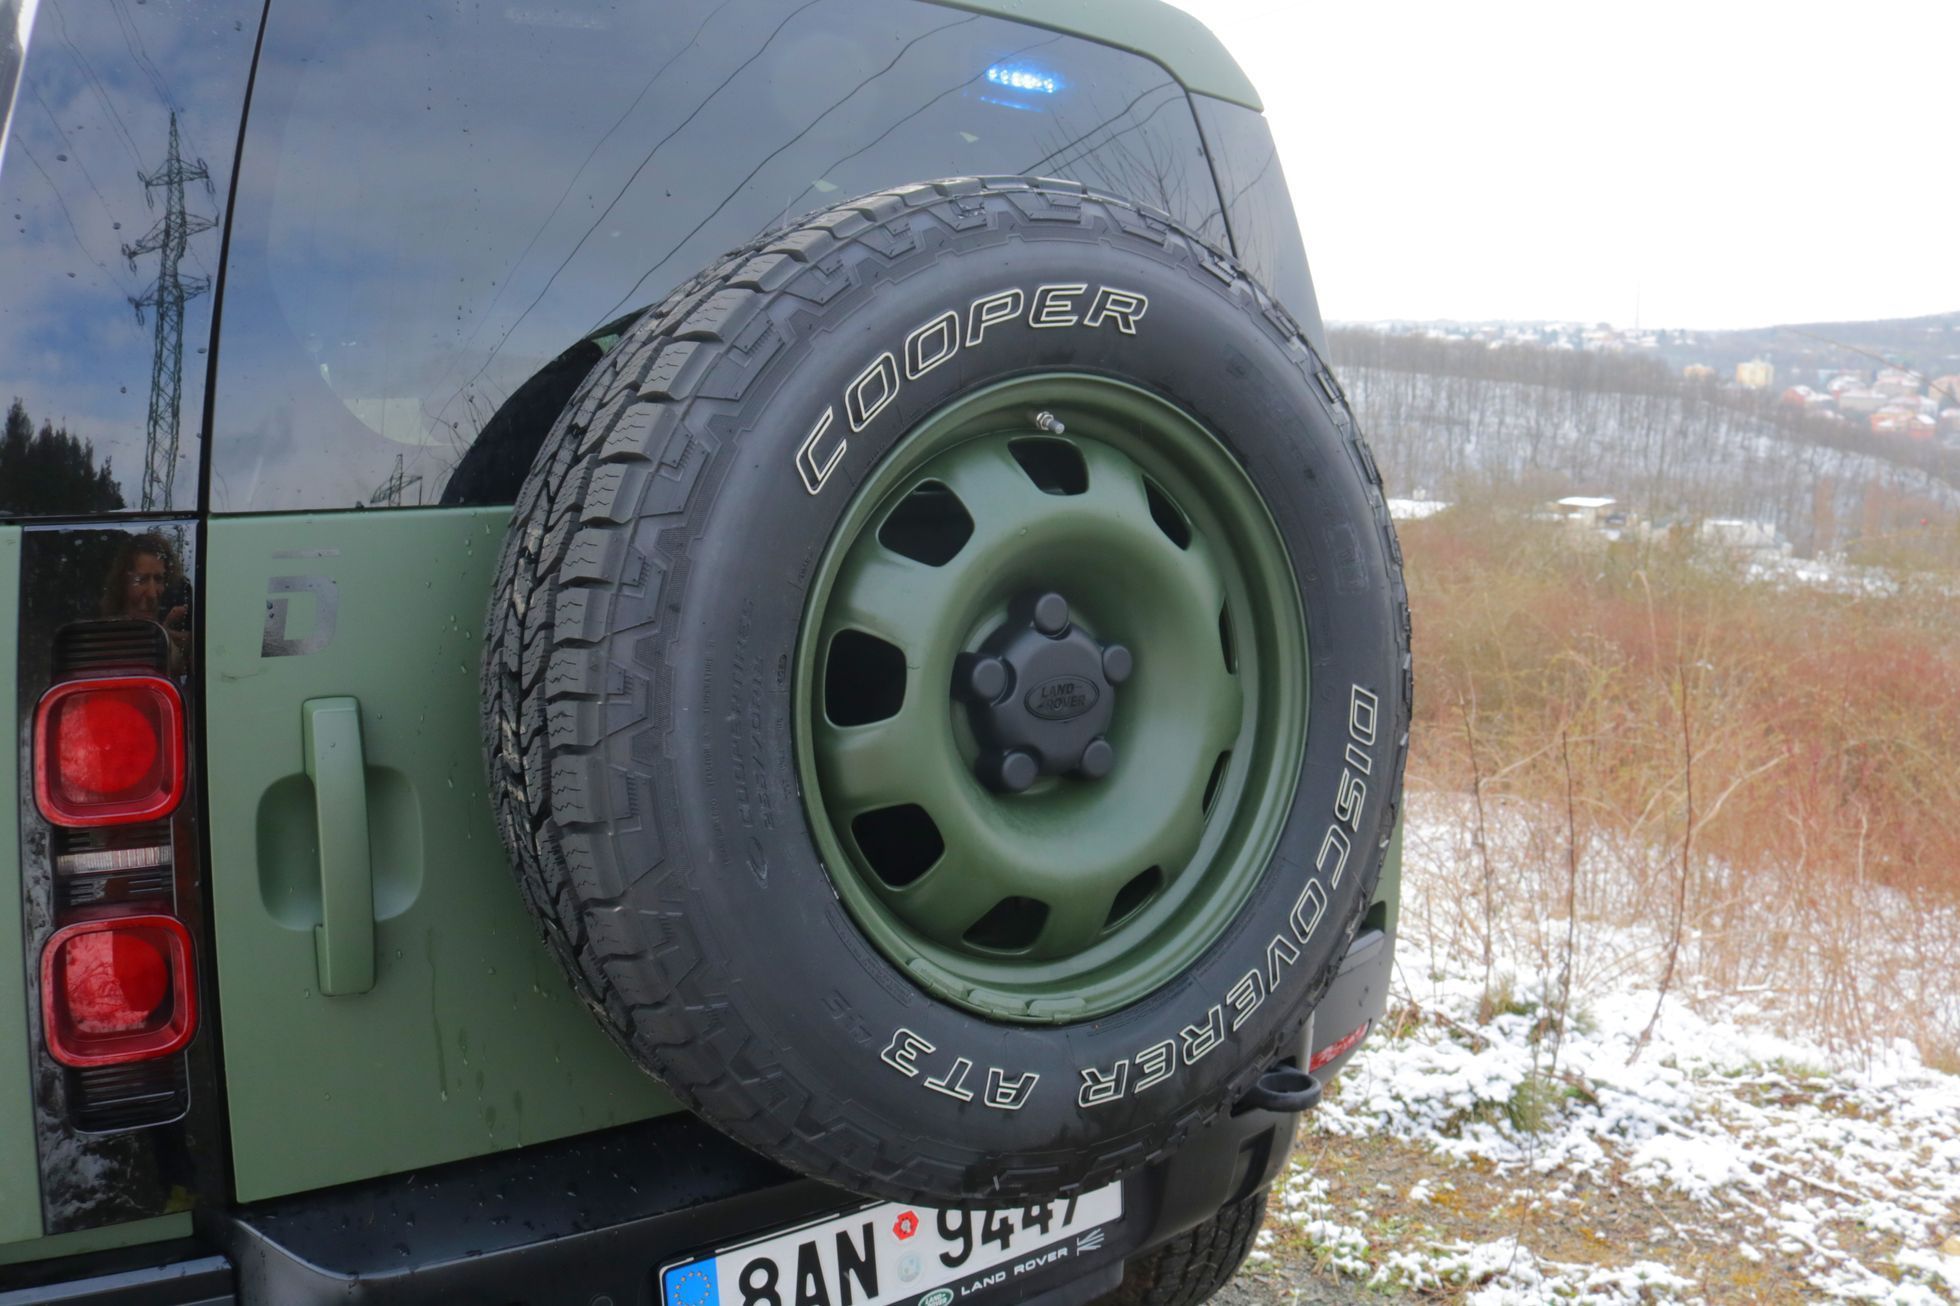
[(1062, 699)]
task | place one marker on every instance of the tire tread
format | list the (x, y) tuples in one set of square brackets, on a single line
[(1193, 1266)]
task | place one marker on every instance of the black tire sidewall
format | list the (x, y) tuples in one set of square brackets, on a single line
[(816, 1008)]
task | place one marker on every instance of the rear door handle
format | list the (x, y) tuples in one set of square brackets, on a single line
[(343, 941)]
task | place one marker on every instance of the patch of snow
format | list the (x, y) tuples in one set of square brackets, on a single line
[(1414, 509), (1845, 1161)]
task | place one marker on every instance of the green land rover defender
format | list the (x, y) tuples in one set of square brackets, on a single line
[(671, 651)]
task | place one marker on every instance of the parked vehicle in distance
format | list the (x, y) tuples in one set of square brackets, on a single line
[(935, 667)]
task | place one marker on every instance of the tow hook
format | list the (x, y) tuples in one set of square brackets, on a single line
[(1282, 1088)]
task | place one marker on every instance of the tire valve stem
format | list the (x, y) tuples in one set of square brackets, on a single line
[(1047, 421)]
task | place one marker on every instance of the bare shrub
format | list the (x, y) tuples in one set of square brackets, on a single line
[(1762, 778)]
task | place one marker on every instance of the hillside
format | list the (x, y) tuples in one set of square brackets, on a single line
[(1928, 345), (1799, 350), (1449, 416)]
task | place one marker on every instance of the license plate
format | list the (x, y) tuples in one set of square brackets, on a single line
[(892, 1252)]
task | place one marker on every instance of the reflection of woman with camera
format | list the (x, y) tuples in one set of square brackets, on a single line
[(144, 582)]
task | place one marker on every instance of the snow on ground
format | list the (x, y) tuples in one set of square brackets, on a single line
[(1838, 576), (1821, 573), (1842, 1166)]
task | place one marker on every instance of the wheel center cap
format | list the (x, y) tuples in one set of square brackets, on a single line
[(1040, 694)]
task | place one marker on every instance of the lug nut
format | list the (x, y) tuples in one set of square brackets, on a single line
[(979, 677), (1051, 615), (1097, 759), (1117, 664), (1012, 771)]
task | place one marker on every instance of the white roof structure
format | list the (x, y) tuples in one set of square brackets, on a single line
[(1581, 501)]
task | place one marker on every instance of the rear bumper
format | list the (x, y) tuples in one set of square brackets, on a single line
[(592, 1218), (587, 1220)]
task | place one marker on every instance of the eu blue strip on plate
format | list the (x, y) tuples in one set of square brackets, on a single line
[(692, 1285)]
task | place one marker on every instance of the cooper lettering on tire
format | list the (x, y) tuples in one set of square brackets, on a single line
[(949, 724)]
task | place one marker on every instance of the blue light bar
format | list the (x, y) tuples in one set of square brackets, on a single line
[(1020, 77)]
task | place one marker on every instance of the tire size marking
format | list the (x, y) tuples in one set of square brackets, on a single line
[(937, 340), (1131, 1075)]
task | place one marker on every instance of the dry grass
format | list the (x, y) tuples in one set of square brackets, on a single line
[(1401, 1197), (1768, 776)]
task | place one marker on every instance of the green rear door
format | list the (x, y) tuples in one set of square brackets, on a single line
[(421, 254), (467, 1039)]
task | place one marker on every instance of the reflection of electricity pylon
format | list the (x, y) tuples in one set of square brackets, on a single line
[(391, 489), (167, 240)]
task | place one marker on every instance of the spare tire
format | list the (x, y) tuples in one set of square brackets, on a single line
[(948, 687)]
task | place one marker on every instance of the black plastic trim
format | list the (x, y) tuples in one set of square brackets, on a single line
[(172, 1274), (1358, 996), (1284, 1088)]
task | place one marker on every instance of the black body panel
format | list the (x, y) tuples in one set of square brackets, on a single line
[(115, 1143)]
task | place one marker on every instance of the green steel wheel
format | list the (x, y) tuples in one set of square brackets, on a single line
[(1055, 677)]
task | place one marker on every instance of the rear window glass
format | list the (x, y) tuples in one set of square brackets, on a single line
[(1265, 233), (112, 186), (442, 208)]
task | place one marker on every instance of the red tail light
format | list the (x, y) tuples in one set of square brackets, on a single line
[(109, 750), (1338, 1047), (117, 989)]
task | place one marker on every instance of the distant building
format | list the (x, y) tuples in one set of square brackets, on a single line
[(1946, 391), (1899, 419), (1756, 374), (1802, 397), (1859, 402), (1583, 509), (1897, 383), (1698, 374), (1597, 520), (1594, 517), (1743, 539)]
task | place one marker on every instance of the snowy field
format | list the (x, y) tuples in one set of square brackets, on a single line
[(1480, 1148)]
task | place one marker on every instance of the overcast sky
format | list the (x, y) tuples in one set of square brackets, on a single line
[(1710, 164)]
